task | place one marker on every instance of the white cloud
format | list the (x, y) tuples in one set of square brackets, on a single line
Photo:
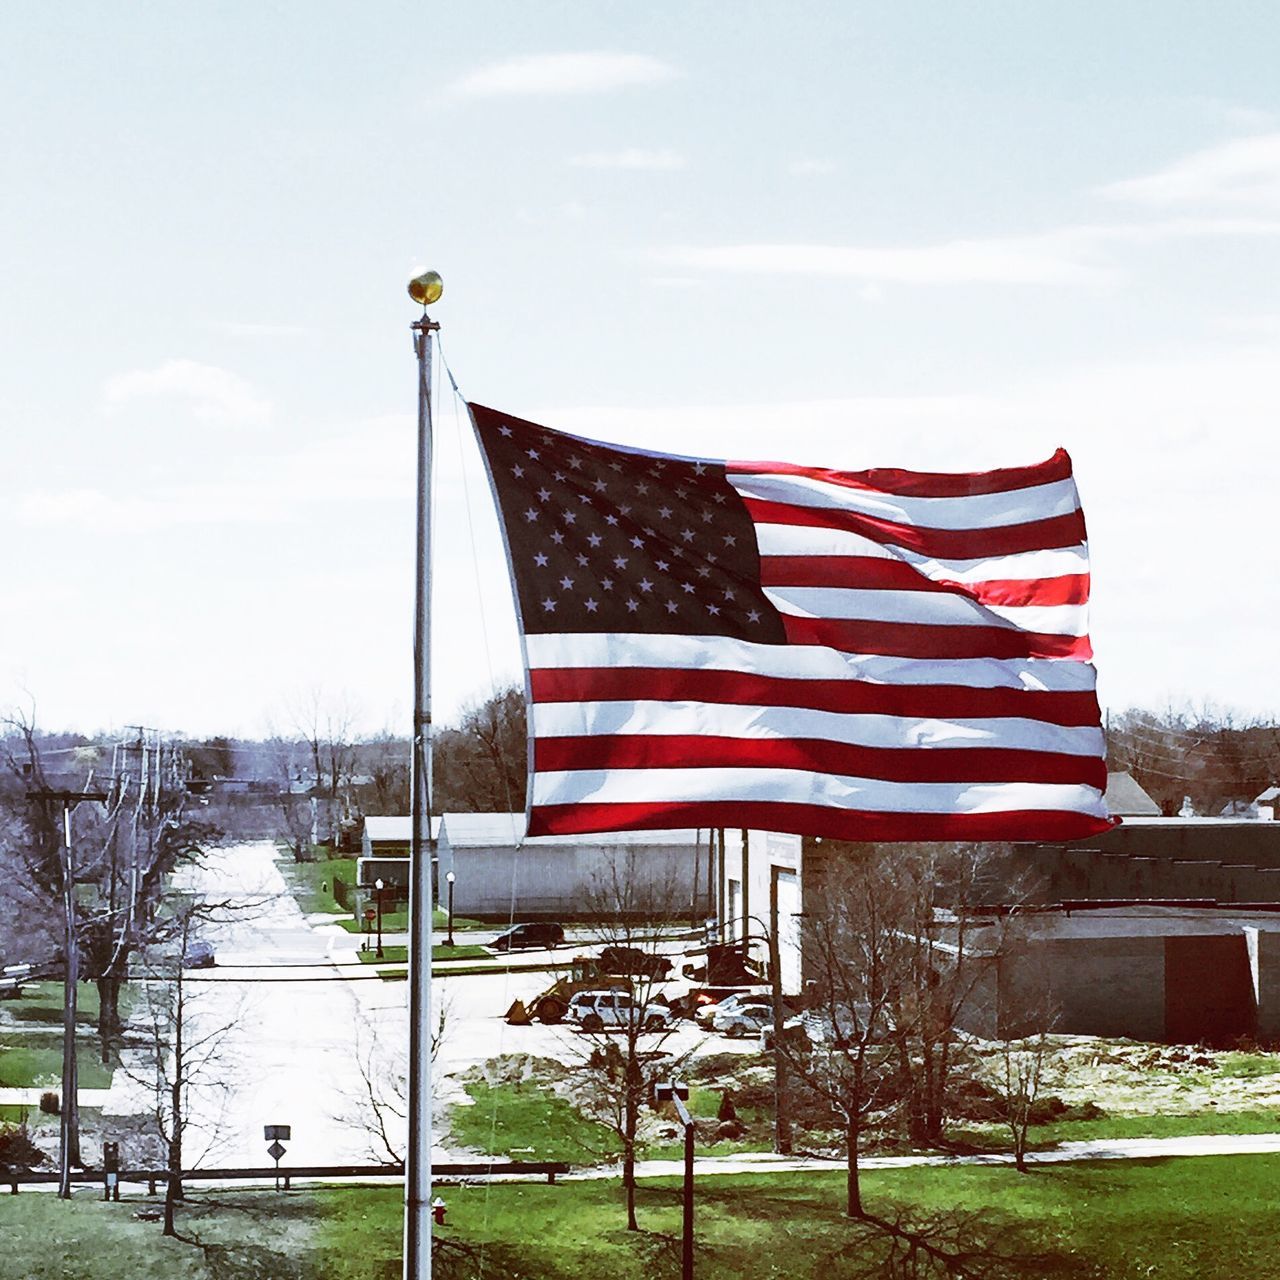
[(1076, 255), (210, 393), (631, 158), (1241, 174), (1015, 260), (563, 73)]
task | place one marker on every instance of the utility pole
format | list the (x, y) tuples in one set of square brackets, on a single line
[(781, 1085), (426, 290), (69, 1121)]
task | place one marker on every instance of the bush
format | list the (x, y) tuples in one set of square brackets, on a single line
[(50, 1103), (17, 1151)]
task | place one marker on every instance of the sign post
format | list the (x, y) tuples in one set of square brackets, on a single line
[(276, 1134)]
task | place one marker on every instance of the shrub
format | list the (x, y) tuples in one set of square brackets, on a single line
[(50, 1103), (17, 1151)]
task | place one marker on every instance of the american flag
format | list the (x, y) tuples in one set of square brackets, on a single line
[(874, 655)]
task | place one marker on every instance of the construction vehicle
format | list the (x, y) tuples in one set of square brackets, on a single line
[(585, 974)]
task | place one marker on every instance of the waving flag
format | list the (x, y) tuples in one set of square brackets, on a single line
[(877, 655)]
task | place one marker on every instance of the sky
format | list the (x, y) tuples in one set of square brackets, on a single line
[(853, 235)]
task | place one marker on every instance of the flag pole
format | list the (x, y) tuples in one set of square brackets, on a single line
[(424, 289)]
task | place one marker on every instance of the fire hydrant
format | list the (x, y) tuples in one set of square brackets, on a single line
[(438, 1210)]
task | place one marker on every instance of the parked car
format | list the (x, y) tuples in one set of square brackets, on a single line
[(596, 1010), (745, 1019), (198, 954), (795, 1033), (631, 960), (540, 933), (734, 1000)]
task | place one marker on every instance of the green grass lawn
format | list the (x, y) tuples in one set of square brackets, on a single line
[(311, 883), (26, 1065), (398, 922), (1210, 1218), (528, 1122)]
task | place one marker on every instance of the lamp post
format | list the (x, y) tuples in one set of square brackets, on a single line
[(449, 879), (377, 888), (676, 1092)]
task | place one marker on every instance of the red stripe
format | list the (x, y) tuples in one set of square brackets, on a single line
[(872, 573), (889, 764), (913, 640), (922, 484), (850, 697), (944, 544), (815, 820)]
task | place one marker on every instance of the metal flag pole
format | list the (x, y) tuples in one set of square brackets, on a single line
[(425, 289)]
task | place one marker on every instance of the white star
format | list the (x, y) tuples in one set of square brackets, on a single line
[(581, 559), (662, 566), (642, 488), (611, 519), (607, 583), (570, 518), (728, 595), (672, 606), (687, 588), (682, 493), (591, 605), (711, 559), (549, 605), (544, 494), (699, 469), (687, 534), (719, 498), (558, 476), (706, 517), (557, 537), (576, 463), (753, 615), (730, 540), (619, 562), (531, 515), (713, 610), (594, 539), (624, 510), (632, 606), (599, 486), (505, 431), (583, 497), (615, 466), (518, 472), (645, 584), (665, 512), (567, 582), (637, 542), (533, 453), (540, 559), (703, 571)]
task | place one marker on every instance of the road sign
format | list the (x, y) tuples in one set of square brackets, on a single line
[(275, 1151), (276, 1132)]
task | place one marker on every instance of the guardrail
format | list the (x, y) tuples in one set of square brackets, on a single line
[(548, 1169)]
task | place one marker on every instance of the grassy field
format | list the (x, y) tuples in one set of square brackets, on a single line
[(400, 955), (31, 1040), (1174, 1220)]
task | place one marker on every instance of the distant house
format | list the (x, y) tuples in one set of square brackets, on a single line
[(1266, 802), (1126, 799)]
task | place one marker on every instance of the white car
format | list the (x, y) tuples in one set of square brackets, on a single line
[(596, 1010), (735, 1000), (745, 1019)]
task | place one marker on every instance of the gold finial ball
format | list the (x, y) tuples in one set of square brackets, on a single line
[(426, 288)]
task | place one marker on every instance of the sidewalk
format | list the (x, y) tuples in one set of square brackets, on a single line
[(30, 1097)]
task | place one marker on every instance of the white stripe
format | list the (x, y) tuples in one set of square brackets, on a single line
[(973, 511), (801, 540), (797, 786), (802, 662), (734, 720), (926, 608)]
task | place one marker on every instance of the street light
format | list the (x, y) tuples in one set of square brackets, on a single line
[(377, 887), (450, 878), (676, 1092)]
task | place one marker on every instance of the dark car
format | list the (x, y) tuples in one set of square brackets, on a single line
[(198, 954), (539, 934), (631, 960)]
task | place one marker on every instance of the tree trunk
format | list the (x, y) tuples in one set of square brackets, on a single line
[(629, 1182), (109, 1026), (853, 1190)]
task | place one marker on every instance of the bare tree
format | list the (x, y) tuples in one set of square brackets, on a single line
[(620, 1064), (183, 1051), (479, 765), (1028, 1016), (859, 951), (382, 1109)]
